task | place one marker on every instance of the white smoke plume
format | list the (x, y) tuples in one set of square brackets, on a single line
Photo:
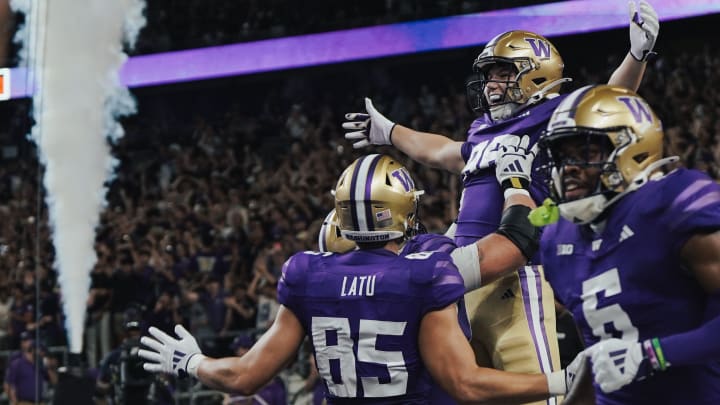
[(73, 50)]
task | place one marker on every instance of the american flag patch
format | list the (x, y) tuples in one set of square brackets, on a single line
[(383, 215)]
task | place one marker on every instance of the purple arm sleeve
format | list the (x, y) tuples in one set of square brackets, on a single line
[(699, 345)]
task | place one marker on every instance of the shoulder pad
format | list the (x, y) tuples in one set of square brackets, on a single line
[(428, 243), (425, 267), (294, 269)]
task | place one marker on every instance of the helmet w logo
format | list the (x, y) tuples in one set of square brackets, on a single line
[(540, 48), (404, 177), (638, 109)]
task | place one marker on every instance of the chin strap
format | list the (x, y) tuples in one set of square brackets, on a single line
[(504, 111), (643, 177), (543, 92), (647, 174)]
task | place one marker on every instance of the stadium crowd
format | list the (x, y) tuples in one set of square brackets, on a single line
[(223, 22), (209, 201)]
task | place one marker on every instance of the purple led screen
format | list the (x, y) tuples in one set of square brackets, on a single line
[(380, 41)]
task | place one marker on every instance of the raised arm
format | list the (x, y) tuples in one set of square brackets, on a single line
[(516, 239), (644, 28), (430, 149)]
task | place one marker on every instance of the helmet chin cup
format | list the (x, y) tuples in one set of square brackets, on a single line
[(584, 210), (503, 111)]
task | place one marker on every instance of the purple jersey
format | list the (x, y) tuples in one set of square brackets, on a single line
[(627, 282), (362, 310), (430, 242), (482, 200), (21, 375)]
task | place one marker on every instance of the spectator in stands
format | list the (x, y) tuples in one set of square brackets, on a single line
[(273, 393), (241, 309), (23, 384)]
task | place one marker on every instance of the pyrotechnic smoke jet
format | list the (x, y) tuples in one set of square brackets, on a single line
[(73, 50)]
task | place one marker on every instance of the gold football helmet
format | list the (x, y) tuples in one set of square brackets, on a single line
[(628, 134), (537, 65), (376, 200), (330, 239)]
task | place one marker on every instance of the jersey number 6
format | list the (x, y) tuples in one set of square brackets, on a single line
[(611, 316)]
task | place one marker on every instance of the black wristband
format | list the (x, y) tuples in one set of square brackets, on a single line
[(518, 183), (390, 134), (516, 226)]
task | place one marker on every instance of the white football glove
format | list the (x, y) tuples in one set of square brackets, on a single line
[(644, 28), (561, 382), (169, 355), (513, 164), (368, 129), (616, 363)]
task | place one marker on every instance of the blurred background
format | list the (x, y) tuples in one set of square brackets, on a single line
[(221, 178)]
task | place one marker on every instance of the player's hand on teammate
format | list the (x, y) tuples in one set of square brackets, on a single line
[(368, 129), (513, 164), (563, 381), (644, 28), (578, 377), (166, 354)]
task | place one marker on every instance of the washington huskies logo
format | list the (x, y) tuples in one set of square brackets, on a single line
[(540, 48), (638, 108), (404, 177)]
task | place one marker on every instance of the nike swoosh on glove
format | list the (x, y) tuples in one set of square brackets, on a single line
[(368, 129)]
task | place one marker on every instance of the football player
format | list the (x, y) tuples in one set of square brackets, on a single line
[(636, 253), (519, 74), (381, 324)]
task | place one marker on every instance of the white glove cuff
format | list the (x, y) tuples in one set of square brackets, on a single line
[(513, 191), (194, 362), (556, 383)]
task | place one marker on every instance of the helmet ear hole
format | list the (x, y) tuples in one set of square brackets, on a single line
[(640, 157), (387, 180), (539, 80)]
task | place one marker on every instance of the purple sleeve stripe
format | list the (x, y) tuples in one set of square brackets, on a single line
[(444, 264), (689, 192), (703, 202), (428, 246)]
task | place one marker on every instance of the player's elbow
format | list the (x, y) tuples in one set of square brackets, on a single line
[(243, 387), (465, 390), (499, 257)]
